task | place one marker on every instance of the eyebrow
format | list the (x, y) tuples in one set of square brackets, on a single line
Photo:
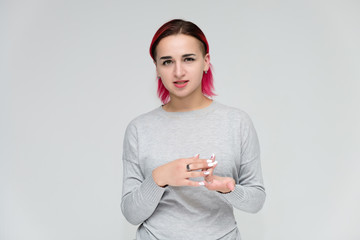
[(185, 55)]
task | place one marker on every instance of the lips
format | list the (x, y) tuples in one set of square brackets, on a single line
[(181, 84)]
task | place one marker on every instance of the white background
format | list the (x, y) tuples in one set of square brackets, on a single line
[(74, 73)]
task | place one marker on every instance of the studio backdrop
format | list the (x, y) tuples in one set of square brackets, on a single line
[(73, 74)]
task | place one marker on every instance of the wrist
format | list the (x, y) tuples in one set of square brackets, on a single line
[(157, 179), (230, 186)]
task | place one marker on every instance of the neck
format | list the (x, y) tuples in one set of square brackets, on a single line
[(187, 104)]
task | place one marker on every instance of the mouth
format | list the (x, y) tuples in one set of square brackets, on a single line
[(181, 84)]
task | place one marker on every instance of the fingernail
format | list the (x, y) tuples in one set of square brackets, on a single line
[(207, 173), (212, 164), (201, 183), (209, 161), (212, 156)]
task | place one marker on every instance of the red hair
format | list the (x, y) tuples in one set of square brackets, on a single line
[(178, 26)]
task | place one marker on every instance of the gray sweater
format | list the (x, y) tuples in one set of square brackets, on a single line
[(158, 137)]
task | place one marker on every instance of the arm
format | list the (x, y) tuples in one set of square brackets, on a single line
[(247, 193), (140, 195)]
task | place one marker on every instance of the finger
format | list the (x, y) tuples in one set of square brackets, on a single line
[(196, 160), (202, 165), (188, 182), (209, 185), (211, 173), (209, 178), (212, 157), (190, 159), (195, 174)]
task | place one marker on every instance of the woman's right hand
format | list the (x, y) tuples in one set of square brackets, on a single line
[(175, 173)]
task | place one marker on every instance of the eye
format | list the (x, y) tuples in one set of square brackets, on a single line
[(189, 59), (166, 62)]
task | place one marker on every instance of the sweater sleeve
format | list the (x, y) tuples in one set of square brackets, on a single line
[(249, 193), (140, 195)]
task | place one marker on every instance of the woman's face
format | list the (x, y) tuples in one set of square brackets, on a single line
[(180, 62)]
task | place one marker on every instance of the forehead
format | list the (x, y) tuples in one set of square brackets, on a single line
[(178, 45)]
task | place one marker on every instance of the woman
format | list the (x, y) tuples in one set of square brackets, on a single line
[(172, 187)]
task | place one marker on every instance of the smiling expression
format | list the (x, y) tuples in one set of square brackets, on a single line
[(181, 62)]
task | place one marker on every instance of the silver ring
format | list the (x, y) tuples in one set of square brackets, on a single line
[(188, 167)]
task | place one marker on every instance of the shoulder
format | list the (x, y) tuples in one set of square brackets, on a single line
[(234, 114), (144, 119)]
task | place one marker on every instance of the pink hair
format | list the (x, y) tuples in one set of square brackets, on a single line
[(177, 26)]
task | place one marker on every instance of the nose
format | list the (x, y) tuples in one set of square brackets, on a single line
[(179, 70)]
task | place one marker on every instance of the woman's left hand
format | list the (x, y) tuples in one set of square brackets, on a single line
[(221, 184), (217, 183)]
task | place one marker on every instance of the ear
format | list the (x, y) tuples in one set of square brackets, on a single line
[(207, 62)]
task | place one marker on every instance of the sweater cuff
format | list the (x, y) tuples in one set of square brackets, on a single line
[(235, 196), (151, 191)]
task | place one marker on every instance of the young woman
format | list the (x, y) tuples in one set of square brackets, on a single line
[(189, 162)]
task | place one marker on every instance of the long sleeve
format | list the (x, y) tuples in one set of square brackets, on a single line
[(249, 193), (140, 195), (157, 137)]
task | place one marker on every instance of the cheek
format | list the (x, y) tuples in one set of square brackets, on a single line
[(165, 78), (160, 72), (164, 74), (198, 73)]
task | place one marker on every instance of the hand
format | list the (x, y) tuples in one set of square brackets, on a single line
[(175, 172), (221, 184), (209, 178), (217, 183)]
